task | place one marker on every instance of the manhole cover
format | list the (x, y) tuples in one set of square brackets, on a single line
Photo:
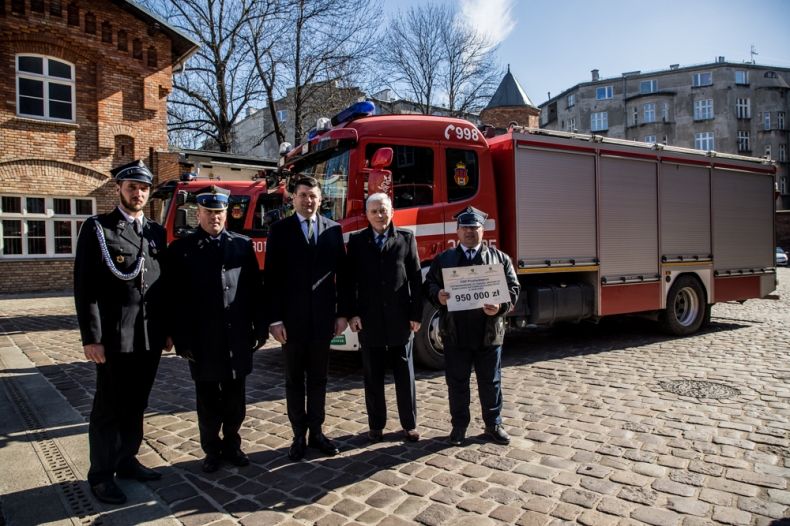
[(699, 389)]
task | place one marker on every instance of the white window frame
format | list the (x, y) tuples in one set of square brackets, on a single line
[(649, 112), (766, 120), (648, 86), (571, 124), (782, 154), (703, 109), (744, 141), (704, 141), (50, 218), (650, 139), (604, 93), (599, 121), (46, 79), (571, 100), (768, 151), (665, 112), (744, 80), (282, 115), (743, 108), (780, 120), (704, 78)]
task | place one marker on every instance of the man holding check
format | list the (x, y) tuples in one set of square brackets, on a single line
[(474, 336)]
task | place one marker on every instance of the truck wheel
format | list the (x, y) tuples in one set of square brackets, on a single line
[(428, 348), (686, 307)]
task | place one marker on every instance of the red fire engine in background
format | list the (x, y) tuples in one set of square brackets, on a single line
[(595, 226)]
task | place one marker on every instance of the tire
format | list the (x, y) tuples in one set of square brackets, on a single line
[(428, 348), (686, 308)]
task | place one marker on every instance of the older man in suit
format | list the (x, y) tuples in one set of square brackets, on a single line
[(305, 255), (121, 309), (386, 305)]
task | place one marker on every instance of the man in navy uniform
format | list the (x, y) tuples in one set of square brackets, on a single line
[(120, 301), (472, 337), (304, 255), (386, 307), (219, 321)]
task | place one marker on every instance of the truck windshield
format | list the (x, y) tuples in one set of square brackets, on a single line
[(186, 220), (332, 174)]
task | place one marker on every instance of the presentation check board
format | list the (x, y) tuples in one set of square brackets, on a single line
[(472, 287)]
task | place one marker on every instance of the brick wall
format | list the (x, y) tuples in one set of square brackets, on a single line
[(120, 112), (501, 117)]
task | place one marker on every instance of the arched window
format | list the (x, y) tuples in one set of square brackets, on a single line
[(152, 60), (106, 32), (122, 44), (44, 88), (56, 8), (73, 14), (137, 49), (90, 23)]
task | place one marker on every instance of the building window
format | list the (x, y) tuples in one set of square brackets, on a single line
[(649, 111), (599, 121), (571, 100), (767, 151), (780, 120), (73, 14), (90, 23), (702, 79), (634, 116), (18, 7), (703, 141), (743, 109), (783, 185), (703, 109), (665, 112), (782, 157), (152, 60), (603, 93), (767, 120), (137, 49), (106, 32), (650, 139), (37, 6), (648, 86), (770, 75), (572, 124), (56, 8), (282, 115), (44, 88), (123, 45), (743, 141), (742, 77), (41, 226)]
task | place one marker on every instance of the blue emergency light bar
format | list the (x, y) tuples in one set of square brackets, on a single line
[(358, 109)]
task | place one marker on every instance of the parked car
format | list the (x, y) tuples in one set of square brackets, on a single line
[(781, 257)]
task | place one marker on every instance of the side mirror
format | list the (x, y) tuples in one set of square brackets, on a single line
[(381, 158), (181, 198)]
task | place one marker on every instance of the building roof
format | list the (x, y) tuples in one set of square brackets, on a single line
[(509, 93), (183, 46)]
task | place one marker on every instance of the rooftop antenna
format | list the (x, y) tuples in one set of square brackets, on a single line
[(753, 53)]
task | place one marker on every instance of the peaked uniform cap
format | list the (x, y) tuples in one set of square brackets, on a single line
[(471, 216), (133, 171), (213, 198)]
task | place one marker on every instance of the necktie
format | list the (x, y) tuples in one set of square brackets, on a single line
[(380, 240), (470, 253), (138, 229), (310, 232)]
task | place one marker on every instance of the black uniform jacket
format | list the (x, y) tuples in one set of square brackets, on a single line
[(124, 316), (385, 285), (218, 305), (300, 280), (454, 257)]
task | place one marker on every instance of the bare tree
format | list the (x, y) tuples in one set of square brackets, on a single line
[(217, 83)]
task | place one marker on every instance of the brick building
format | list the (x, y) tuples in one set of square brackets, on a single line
[(86, 88), (510, 104)]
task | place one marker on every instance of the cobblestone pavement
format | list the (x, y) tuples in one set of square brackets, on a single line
[(599, 437)]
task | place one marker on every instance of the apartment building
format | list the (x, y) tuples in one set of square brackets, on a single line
[(723, 106)]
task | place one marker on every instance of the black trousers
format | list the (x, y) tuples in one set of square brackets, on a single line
[(306, 366), (220, 406), (115, 429), (376, 361), (459, 360)]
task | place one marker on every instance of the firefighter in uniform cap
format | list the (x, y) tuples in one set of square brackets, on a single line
[(219, 321), (120, 302), (472, 337)]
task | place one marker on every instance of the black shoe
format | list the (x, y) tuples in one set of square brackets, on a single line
[(498, 434), (108, 492), (138, 472), (323, 444), (411, 435), (210, 464), (237, 458), (375, 435), (457, 436), (298, 448)]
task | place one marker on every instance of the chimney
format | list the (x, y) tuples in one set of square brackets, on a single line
[(674, 66), (720, 59), (595, 75)]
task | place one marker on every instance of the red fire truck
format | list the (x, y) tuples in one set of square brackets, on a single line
[(595, 226)]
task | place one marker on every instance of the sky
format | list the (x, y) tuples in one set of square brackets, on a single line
[(551, 45)]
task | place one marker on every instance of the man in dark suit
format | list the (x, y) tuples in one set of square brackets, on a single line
[(305, 254), (120, 301), (472, 338), (219, 321), (386, 306)]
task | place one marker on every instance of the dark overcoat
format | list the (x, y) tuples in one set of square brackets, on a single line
[(301, 282), (217, 304), (385, 285), (123, 315)]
